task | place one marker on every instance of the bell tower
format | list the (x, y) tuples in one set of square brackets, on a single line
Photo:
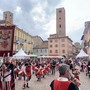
[(8, 16), (60, 22)]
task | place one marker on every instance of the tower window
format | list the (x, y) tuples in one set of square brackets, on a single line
[(60, 18), (60, 25), (60, 11), (5, 15)]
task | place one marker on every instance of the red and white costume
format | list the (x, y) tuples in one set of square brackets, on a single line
[(36, 70), (44, 71), (39, 73), (61, 84), (28, 71), (6, 80), (33, 66)]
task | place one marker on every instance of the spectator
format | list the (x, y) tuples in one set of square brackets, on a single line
[(63, 83), (53, 67)]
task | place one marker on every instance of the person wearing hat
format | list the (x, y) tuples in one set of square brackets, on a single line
[(63, 82)]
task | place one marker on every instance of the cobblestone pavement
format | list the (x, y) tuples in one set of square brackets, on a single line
[(85, 81), (45, 82), (37, 85)]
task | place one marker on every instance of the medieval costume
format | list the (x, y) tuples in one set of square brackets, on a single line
[(63, 83), (39, 73), (27, 76), (6, 77)]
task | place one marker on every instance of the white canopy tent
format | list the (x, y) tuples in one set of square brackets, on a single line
[(82, 54), (50, 57), (32, 55), (20, 54)]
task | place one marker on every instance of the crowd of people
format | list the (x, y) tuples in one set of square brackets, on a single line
[(85, 67), (13, 69)]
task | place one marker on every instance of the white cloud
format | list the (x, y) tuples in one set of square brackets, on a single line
[(38, 13), (1, 14), (76, 13), (50, 26), (18, 9)]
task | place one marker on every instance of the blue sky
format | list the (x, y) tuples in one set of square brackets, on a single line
[(38, 17)]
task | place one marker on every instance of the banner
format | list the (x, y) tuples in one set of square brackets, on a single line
[(6, 40)]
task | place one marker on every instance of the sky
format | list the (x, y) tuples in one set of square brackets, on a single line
[(38, 17)]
